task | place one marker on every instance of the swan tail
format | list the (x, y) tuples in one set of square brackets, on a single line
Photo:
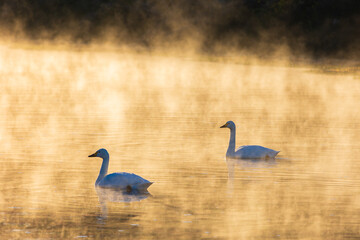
[(143, 186), (272, 155), (276, 153)]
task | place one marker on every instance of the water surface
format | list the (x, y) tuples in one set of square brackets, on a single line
[(159, 117)]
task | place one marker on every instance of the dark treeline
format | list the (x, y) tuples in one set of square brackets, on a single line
[(321, 28)]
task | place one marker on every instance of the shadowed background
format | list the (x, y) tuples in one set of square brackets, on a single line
[(317, 29)]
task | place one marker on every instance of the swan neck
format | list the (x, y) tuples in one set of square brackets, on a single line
[(103, 170), (231, 148)]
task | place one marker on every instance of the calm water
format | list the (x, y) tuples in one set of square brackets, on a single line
[(159, 117)]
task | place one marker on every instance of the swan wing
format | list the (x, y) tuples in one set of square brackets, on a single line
[(124, 180), (255, 151)]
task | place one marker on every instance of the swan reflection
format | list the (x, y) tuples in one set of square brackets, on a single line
[(232, 163), (245, 164), (118, 195)]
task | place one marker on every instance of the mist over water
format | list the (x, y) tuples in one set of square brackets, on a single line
[(159, 117)]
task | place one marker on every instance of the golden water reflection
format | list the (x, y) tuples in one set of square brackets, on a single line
[(159, 117)]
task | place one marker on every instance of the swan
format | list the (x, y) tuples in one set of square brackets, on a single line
[(127, 181), (247, 151)]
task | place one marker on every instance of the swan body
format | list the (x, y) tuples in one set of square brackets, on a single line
[(247, 151), (122, 180)]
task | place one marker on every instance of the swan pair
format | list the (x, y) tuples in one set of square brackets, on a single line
[(132, 182)]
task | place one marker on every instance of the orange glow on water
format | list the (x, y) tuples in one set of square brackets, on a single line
[(159, 117)]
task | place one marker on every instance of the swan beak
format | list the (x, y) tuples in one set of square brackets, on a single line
[(92, 155), (224, 126)]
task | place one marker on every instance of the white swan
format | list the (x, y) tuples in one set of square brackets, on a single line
[(248, 151), (127, 181)]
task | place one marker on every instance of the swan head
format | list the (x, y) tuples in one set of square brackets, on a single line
[(102, 153), (229, 124)]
